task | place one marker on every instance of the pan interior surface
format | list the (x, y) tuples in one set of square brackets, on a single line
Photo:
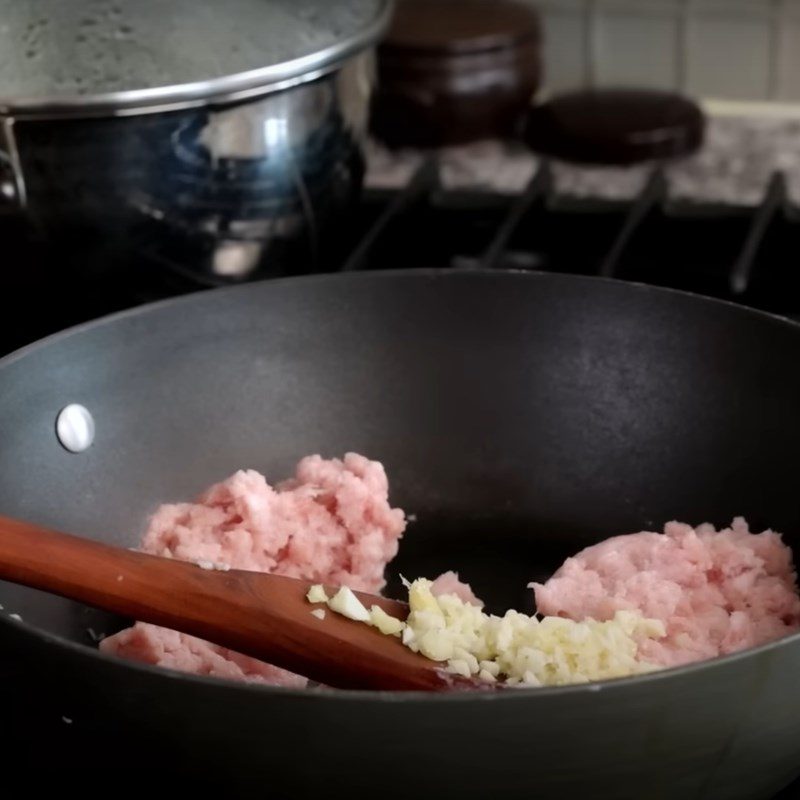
[(519, 417)]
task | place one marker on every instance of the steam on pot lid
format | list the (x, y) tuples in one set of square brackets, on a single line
[(116, 55)]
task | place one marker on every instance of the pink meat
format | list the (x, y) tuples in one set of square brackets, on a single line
[(716, 591), (172, 650), (449, 583), (331, 523)]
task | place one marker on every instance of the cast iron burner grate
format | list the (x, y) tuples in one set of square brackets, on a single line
[(738, 253), (745, 254)]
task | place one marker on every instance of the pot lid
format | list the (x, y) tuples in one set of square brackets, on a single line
[(114, 56), (461, 26), (615, 126)]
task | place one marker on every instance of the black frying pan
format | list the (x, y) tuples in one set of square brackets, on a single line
[(520, 417)]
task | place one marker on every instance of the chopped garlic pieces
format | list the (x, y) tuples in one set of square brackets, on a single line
[(344, 602), (491, 667), (319, 613), (459, 667), (385, 623), (421, 599), (317, 594), (515, 648), (523, 649)]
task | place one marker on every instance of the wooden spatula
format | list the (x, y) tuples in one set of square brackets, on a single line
[(264, 616)]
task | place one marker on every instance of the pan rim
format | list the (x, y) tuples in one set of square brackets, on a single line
[(419, 272), (162, 675)]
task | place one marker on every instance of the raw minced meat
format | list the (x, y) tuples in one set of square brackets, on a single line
[(716, 591), (150, 644), (449, 583), (332, 523)]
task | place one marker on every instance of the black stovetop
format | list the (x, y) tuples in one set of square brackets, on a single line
[(741, 253)]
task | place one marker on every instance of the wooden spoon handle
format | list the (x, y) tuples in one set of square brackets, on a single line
[(264, 616)]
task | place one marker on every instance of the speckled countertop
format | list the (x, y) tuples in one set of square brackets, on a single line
[(740, 152)]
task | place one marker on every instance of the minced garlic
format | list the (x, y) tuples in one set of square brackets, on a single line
[(344, 602), (385, 623), (522, 649), (516, 648), (317, 594)]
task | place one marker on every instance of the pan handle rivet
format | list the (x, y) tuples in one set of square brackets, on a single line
[(75, 428)]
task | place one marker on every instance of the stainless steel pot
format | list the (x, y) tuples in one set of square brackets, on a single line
[(220, 167)]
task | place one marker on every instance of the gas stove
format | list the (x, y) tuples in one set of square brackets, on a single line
[(738, 252)]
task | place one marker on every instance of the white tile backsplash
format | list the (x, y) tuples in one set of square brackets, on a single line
[(725, 49), (565, 56), (788, 61), (631, 43), (729, 55)]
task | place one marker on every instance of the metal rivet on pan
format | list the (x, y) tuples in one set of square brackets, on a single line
[(75, 428)]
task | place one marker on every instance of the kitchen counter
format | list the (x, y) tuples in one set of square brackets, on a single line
[(741, 151)]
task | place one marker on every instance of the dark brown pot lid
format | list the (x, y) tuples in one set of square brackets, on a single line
[(615, 126), (460, 26)]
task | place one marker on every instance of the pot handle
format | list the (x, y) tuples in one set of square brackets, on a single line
[(12, 183)]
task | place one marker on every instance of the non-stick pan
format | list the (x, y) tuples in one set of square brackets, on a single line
[(520, 417)]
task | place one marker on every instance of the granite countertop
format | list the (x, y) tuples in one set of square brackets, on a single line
[(740, 153)]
